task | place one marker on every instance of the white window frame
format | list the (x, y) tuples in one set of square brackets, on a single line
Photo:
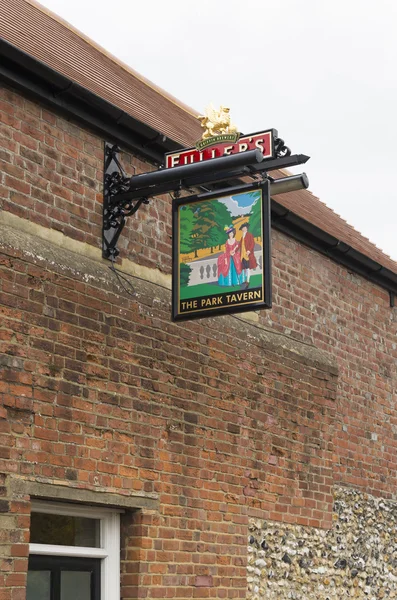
[(108, 552)]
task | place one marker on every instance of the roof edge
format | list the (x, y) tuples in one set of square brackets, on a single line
[(40, 82), (113, 58), (288, 222)]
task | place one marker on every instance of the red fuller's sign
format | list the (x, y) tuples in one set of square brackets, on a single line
[(223, 145)]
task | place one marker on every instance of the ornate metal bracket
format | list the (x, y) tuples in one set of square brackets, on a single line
[(281, 149), (123, 195), (115, 209)]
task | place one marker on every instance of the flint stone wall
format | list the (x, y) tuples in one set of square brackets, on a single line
[(357, 558)]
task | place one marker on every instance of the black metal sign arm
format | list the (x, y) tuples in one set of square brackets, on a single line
[(123, 195), (115, 210), (186, 183)]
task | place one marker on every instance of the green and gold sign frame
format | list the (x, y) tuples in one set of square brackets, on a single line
[(221, 252)]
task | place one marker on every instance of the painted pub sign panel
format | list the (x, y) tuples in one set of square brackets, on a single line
[(221, 252)]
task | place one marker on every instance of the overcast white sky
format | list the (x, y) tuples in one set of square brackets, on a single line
[(321, 72)]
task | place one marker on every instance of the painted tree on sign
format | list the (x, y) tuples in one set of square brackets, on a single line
[(208, 229), (204, 223), (256, 215), (202, 226), (186, 222), (223, 218)]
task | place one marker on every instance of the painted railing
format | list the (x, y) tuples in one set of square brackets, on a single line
[(206, 271)]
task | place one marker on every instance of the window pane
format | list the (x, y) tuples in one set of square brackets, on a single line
[(39, 585), (75, 585), (64, 530)]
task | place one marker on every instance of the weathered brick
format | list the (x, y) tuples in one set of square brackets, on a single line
[(103, 390)]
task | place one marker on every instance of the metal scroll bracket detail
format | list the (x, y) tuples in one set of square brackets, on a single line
[(115, 208), (281, 149), (123, 195)]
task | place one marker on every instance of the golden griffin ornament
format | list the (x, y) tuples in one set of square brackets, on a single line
[(217, 122)]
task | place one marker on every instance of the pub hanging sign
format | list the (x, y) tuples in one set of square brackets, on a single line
[(221, 240), (221, 253)]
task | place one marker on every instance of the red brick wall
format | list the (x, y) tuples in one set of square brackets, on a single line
[(53, 175), (222, 418), (321, 303), (103, 392)]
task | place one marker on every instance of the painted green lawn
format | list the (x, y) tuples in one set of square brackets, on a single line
[(208, 289)]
